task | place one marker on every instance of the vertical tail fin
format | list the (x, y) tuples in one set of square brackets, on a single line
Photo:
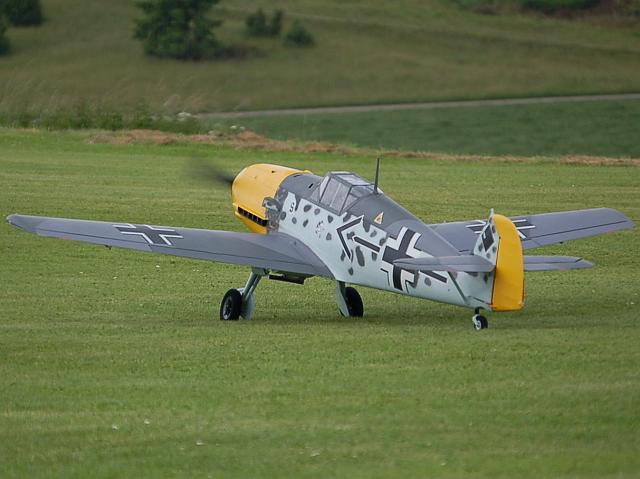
[(499, 243)]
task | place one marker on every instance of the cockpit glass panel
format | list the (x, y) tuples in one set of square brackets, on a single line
[(329, 191), (334, 194), (316, 194), (353, 180), (339, 190), (341, 195), (358, 192)]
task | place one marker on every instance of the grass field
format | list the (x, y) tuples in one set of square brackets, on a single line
[(367, 52), (599, 128), (113, 363)]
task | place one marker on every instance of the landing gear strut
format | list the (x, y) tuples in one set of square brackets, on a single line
[(479, 321), (349, 300), (241, 302)]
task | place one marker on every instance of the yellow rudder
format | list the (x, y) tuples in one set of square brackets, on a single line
[(508, 286)]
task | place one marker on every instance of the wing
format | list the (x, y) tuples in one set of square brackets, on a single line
[(275, 251), (541, 230)]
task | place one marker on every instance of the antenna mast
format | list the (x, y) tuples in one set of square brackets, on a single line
[(375, 183)]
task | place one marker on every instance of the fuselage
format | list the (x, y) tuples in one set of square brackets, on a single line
[(357, 232)]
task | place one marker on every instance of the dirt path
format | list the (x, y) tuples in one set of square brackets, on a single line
[(420, 106)]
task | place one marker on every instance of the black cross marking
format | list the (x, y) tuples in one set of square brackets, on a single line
[(522, 224), (390, 255), (487, 239), (342, 229), (152, 234), (367, 244)]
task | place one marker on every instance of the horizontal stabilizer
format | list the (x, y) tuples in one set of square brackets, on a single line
[(463, 264), (551, 263)]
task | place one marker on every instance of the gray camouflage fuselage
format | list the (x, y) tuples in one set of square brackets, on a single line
[(358, 249)]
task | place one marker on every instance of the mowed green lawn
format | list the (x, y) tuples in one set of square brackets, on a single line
[(113, 363), (610, 128), (366, 52)]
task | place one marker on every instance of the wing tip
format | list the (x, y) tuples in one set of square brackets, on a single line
[(14, 220), (625, 221), (27, 223), (583, 264)]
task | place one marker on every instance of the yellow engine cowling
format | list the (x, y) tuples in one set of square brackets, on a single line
[(251, 187)]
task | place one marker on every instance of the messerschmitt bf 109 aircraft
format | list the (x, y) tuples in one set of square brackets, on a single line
[(345, 228)]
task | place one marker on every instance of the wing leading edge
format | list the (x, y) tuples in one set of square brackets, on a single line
[(541, 230), (275, 251)]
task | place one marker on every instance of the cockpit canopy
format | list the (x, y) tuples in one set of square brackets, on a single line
[(340, 189)]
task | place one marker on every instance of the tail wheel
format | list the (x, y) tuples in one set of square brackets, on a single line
[(479, 322), (354, 302), (231, 305)]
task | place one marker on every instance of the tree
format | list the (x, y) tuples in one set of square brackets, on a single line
[(177, 29), (4, 41), (22, 12)]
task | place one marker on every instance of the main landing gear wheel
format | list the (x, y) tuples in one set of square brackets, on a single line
[(242, 302), (354, 302), (479, 321), (231, 305)]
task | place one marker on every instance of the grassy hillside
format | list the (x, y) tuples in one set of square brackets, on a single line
[(112, 362), (383, 51), (599, 128)]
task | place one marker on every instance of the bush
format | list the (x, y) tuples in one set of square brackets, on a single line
[(22, 12), (4, 41), (628, 7), (275, 27), (108, 120), (553, 6), (543, 6), (258, 26), (177, 29), (83, 116), (299, 36)]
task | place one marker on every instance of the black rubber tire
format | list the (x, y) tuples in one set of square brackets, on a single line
[(481, 320), (231, 305), (354, 302)]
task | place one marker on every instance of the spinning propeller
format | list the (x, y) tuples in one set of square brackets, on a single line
[(210, 172)]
